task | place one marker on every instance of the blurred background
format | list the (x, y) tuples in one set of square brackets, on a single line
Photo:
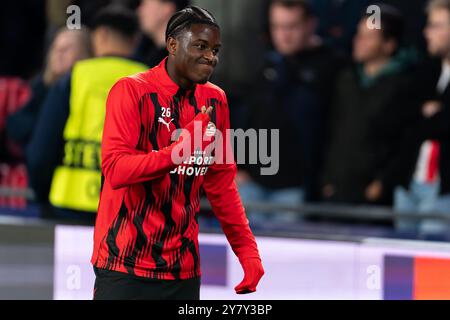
[(359, 93)]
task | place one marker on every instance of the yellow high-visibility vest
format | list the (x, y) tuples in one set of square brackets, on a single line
[(76, 182)]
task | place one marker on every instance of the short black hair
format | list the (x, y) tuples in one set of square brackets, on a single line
[(118, 18), (303, 5), (185, 18), (392, 23)]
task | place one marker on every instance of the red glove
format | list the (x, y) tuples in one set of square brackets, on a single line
[(253, 271)]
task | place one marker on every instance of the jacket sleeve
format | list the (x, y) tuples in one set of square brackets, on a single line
[(221, 191), (122, 163), (438, 126)]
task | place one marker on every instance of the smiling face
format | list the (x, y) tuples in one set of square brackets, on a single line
[(194, 54)]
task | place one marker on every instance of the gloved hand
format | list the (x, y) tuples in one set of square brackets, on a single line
[(253, 271)]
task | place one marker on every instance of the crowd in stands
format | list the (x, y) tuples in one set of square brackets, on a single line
[(363, 111)]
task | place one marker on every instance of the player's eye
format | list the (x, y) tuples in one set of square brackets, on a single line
[(216, 51)]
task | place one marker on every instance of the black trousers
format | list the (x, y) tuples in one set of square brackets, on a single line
[(112, 285)]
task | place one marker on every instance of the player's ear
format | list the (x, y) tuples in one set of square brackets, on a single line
[(172, 46)]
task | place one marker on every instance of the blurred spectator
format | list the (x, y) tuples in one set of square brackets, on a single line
[(427, 188), (338, 20), (369, 115), (153, 17), (415, 21), (68, 47), (14, 92), (291, 92), (64, 153)]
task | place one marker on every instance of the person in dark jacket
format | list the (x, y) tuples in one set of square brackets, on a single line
[(291, 93), (425, 184), (368, 116)]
